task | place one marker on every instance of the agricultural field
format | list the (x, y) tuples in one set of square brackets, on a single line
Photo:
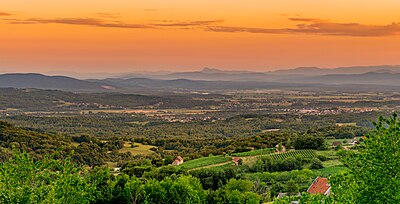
[(328, 171), (203, 162), (248, 158), (137, 149), (254, 152), (305, 154)]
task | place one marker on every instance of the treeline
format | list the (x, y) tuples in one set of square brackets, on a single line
[(191, 140), (198, 138), (87, 150), (53, 100)]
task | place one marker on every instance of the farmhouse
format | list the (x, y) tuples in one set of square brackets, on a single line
[(353, 142), (236, 160), (336, 144), (280, 148), (320, 186), (177, 161)]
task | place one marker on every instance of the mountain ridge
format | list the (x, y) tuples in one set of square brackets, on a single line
[(41, 81)]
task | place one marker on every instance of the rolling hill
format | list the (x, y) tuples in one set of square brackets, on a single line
[(370, 78), (40, 81), (208, 79)]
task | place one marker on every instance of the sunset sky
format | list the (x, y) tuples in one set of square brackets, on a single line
[(151, 35)]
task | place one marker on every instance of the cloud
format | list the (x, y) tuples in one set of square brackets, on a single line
[(81, 21), (319, 27), (103, 22), (5, 14), (233, 29), (302, 25), (348, 29), (187, 23), (305, 19)]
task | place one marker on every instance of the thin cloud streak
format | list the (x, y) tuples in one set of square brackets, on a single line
[(98, 22), (81, 21), (314, 26), (305, 19), (189, 23), (320, 27), (5, 14), (349, 29)]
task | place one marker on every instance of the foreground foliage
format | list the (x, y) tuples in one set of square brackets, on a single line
[(23, 180), (374, 171)]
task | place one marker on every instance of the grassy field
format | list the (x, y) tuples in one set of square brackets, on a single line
[(227, 165), (330, 154), (248, 158), (331, 166), (296, 153), (140, 149), (255, 152), (204, 161), (332, 163), (139, 122), (328, 171), (111, 165)]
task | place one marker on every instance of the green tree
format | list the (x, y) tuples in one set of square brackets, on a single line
[(240, 185), (184, 189), (23, 180), (316, 164), (292, 188), (308, 142), (133, 190), (239, 191), (374, 171)]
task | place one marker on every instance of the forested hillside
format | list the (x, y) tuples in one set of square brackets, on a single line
[(58, 180)]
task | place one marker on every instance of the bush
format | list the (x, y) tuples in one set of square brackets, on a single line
[(316, 164), (23, 180), (308, 142)]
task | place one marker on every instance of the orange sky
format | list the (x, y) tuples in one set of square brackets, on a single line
[(129, 35)]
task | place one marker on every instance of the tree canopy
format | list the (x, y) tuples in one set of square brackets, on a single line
[(374, 170)]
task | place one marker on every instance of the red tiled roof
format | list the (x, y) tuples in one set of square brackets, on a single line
[(320, 185), (179, 158), (235, 159)]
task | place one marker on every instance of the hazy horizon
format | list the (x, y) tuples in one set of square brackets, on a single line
[(161, 71)]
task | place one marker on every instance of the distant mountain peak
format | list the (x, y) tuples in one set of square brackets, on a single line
[(384, 71), (307, 68), (210, 70), (40, 81)]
